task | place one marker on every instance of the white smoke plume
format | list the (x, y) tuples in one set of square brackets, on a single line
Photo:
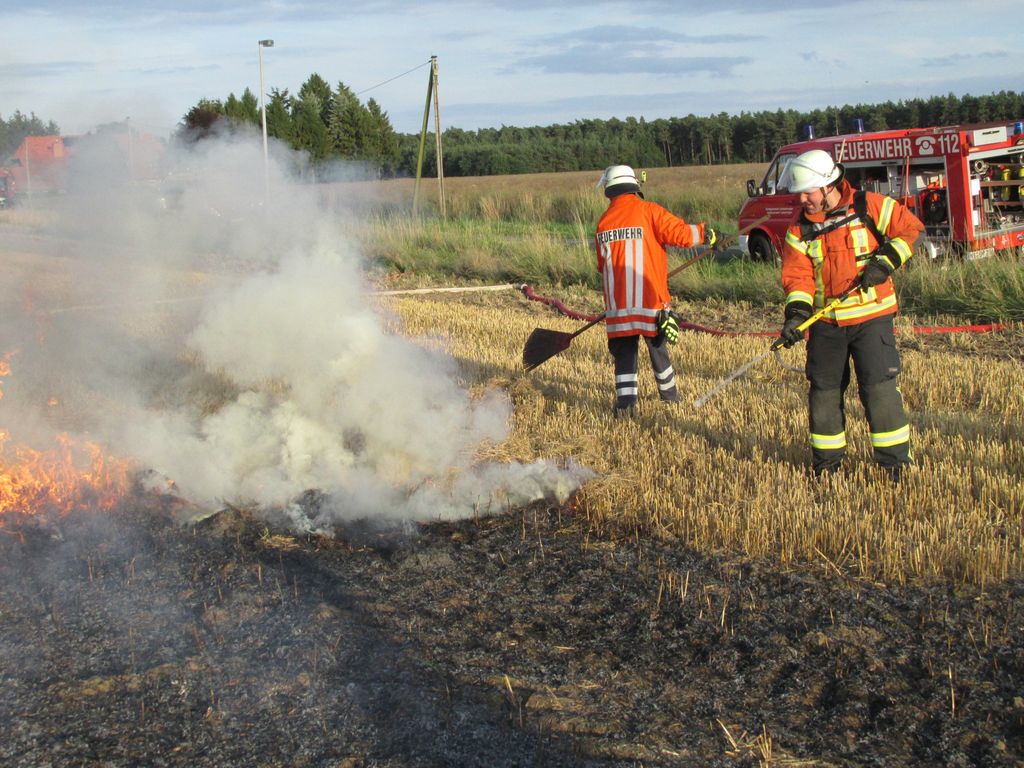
[(223, 338)]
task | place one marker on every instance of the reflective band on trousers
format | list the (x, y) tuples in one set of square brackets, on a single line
[(625, 384), (666, 379), (828, 442), (889, 439)]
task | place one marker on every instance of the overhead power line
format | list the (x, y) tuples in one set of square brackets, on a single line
[(390, 79)]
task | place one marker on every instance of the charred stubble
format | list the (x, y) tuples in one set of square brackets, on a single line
[(525, 639)]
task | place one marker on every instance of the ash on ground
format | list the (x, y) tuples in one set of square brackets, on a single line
[(525, 639)]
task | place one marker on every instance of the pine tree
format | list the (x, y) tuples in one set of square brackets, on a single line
[(317, 93), (243, 110), (349, 124), (279, 115), (382, 139), (308, 131)]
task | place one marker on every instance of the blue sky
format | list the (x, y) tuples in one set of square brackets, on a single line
[(502, 62)]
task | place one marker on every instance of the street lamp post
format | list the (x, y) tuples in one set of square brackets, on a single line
[(263, 109)]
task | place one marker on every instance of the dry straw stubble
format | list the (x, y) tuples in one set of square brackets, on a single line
[(732, 476)]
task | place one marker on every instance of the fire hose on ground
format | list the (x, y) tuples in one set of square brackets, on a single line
[(773, 349)]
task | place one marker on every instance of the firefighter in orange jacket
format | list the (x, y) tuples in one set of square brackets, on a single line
[(630, 241), (845, 238)]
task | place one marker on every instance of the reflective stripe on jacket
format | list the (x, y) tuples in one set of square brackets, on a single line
[(630, 242), (817, 270)]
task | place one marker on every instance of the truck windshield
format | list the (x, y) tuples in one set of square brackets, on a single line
[(770, 185)]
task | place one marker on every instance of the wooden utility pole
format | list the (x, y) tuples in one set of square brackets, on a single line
[(437, 134), (431, 92)]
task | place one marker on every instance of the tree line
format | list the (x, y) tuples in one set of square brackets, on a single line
[(330, 124), (334, 124), (748, 137)]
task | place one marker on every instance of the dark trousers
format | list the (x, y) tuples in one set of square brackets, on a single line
[(871, 346), (624, 350)]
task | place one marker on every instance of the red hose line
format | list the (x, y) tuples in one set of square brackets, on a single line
[(984, 328), (528, 292)]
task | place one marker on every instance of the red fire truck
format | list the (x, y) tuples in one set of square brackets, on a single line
[(965, 182)]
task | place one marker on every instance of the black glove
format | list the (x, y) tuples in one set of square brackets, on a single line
[(710, 236), (668, 325), (875, 273), (794, 318)]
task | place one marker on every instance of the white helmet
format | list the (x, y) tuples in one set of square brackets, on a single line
[(617, 174), (811, 170)]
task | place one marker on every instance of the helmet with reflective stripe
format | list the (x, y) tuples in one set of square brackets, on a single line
[(811, 170), (617, 179)]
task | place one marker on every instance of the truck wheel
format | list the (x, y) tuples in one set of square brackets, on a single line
[(761, 249)]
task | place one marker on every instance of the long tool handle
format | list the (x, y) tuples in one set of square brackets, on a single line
[(734, 375), (834, 304), (727, 241), (775, 345), (589, 325)]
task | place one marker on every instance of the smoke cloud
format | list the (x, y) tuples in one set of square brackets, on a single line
[(213, 324)]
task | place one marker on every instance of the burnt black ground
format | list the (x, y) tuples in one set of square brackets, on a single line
[(528, 639)]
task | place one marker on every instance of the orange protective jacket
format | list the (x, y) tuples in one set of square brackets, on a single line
[(817, 269), (630, 242)]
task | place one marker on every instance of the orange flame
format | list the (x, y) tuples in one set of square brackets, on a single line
[(62, 479)]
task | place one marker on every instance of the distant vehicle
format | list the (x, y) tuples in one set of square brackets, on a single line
[(50, 165), (39, 166), (965, 182)]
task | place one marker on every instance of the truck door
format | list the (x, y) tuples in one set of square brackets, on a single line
[(771, 200)]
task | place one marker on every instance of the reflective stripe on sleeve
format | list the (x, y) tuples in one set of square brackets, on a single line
[(800, 296), (885, 214), (793, 240), (902, 248)]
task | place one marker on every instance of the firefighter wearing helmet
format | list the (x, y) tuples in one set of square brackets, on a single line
[(847, 238), (631, 238)]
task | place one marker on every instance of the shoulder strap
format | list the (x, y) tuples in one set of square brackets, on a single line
[(810, 230), (860, 206)]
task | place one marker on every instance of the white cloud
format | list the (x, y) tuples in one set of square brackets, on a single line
[(75, 62)]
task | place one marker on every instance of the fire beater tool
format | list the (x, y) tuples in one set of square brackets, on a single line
[(543, 343), (774, 348)]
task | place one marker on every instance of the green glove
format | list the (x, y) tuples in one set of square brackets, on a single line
[(668, 325)]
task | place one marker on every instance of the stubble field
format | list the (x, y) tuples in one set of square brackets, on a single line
[(702, 601)]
